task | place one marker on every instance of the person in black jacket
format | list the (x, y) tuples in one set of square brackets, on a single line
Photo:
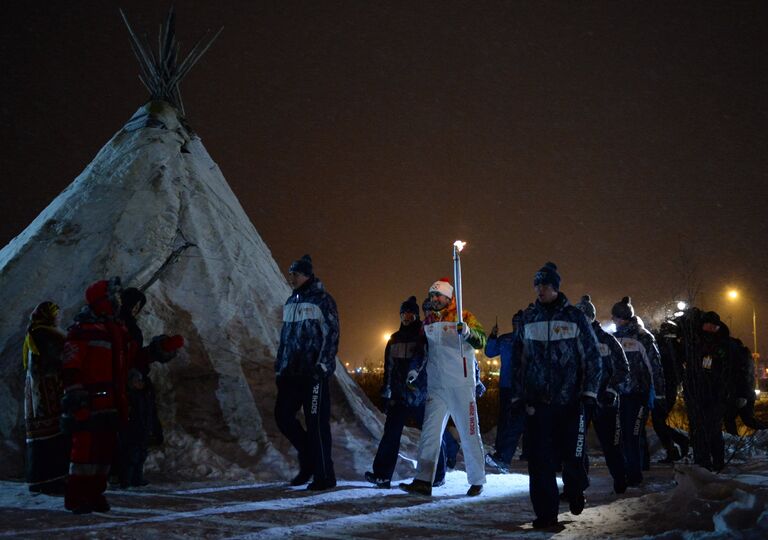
[(402, 401), (674, 441), (161, 349), (740, 393), (707, 350)]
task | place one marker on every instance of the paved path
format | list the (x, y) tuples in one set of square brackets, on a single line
[(352, 510)]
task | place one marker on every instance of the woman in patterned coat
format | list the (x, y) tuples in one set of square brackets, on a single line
[(47, 446)]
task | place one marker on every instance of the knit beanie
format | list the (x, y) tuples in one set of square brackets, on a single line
[(442, 286), (623, 309), (547, 275), (302, 266), (410, 306), (712, 318), (586, 305)]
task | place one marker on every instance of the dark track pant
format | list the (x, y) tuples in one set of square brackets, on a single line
[(386, 456), (667, 435), (633, 411), (706, 420), (314, 443), (608, 429), (553, 437), (509, 429)]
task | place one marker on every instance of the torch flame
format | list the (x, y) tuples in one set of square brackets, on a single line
[(459, 245)]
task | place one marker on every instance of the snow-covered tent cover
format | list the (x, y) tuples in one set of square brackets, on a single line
[(152, 188)]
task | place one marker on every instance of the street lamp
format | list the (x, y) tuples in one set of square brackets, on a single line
[(733, 295)]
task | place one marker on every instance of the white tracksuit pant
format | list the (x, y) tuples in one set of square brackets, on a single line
[(460, 404)]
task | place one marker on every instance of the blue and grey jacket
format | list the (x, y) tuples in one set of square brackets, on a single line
[(646, 377), (404, 350), (509, 349), (615, 364), (309, 339), (560, 359)]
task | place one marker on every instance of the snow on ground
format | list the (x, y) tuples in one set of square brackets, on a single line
[(678, 502)]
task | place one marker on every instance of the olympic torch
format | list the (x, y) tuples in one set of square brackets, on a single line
[(458, 245)]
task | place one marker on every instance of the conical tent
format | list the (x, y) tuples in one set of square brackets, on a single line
[(152, 189)]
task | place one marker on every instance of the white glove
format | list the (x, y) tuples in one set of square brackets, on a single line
[(412, 375), (465, 331), (741, 402)]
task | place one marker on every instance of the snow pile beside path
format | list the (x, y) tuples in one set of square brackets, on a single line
[(742, 449), (702, 505)]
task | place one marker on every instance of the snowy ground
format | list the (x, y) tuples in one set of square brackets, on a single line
[(673, 500)]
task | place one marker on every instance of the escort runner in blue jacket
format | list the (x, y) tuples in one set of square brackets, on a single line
[(305, 360), (606, 416), (560, 373), (511, 420), (644, 385)]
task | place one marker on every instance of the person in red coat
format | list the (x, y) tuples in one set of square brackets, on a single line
[(95, 403)]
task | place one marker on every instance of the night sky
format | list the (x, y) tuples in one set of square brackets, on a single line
[(623, 141)]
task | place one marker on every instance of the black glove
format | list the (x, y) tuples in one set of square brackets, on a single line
[(67, 424), (517, 406), (321, 371), (385, 404), (75, 400), (589, 405), (607, 398)]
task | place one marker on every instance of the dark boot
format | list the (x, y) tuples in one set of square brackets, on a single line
[(321, 484), (419, 487), (576, 504), (301, 478), (382, 483), (474, 490), (620, 486), (544, 523)]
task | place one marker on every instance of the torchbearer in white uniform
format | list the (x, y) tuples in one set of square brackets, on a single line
[(450, 363)]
